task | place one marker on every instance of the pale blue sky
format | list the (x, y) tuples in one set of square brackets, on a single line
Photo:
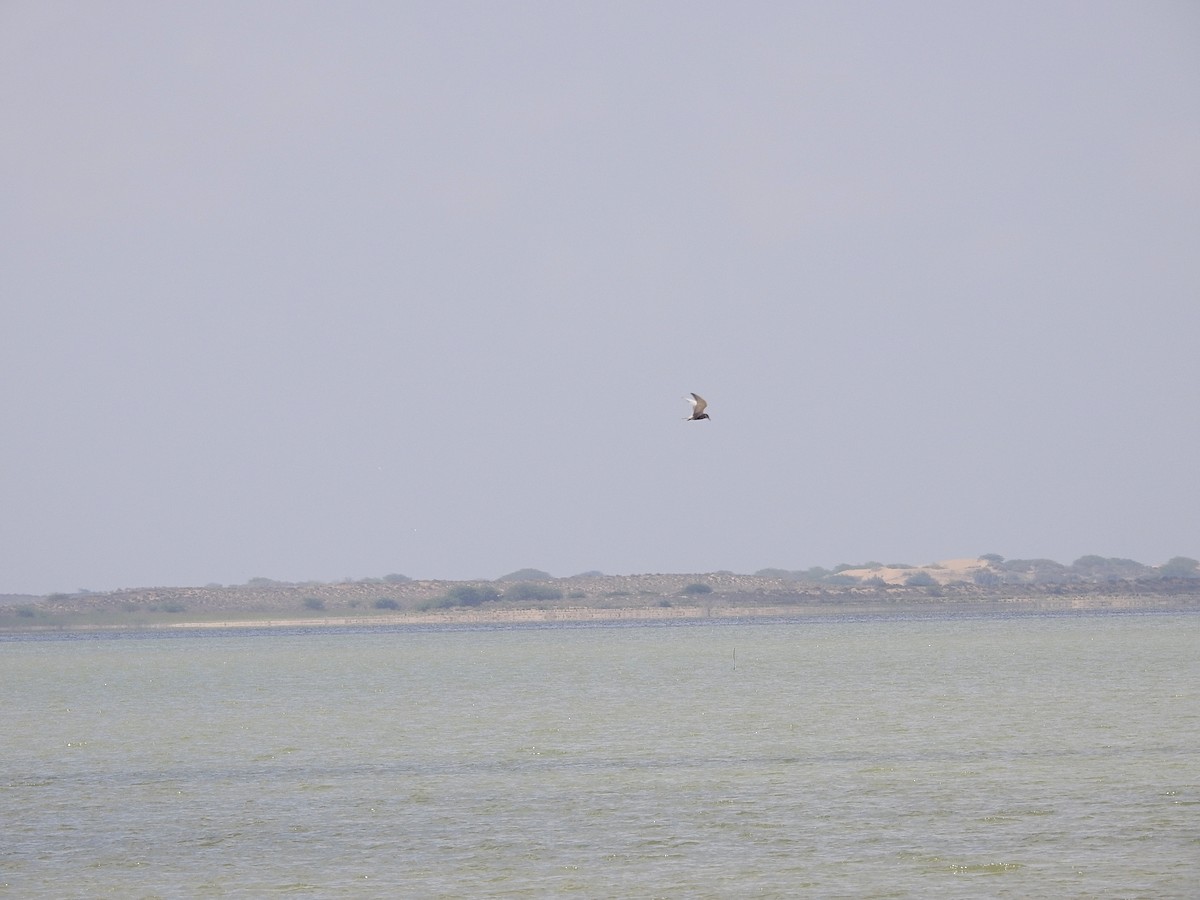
[(312, 291)]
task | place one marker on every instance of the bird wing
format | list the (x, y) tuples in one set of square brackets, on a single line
[(698, 404)]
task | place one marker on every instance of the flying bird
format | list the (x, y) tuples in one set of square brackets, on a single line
[(699, 404)]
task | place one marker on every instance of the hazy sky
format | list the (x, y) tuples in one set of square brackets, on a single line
[(317, 290)]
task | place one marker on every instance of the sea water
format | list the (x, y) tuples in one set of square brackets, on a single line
[(989, 756)]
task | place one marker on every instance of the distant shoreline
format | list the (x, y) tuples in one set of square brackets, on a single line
[(493, 615), (954, 587)]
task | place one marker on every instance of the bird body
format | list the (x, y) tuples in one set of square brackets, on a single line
[(698, 406)]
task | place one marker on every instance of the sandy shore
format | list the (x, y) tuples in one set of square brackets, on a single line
[(502, 616)]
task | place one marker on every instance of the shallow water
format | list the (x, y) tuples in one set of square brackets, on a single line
[(871, 757)]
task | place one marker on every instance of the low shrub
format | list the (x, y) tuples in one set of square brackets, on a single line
[(471, 595), (920, 579), (527, 590)]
